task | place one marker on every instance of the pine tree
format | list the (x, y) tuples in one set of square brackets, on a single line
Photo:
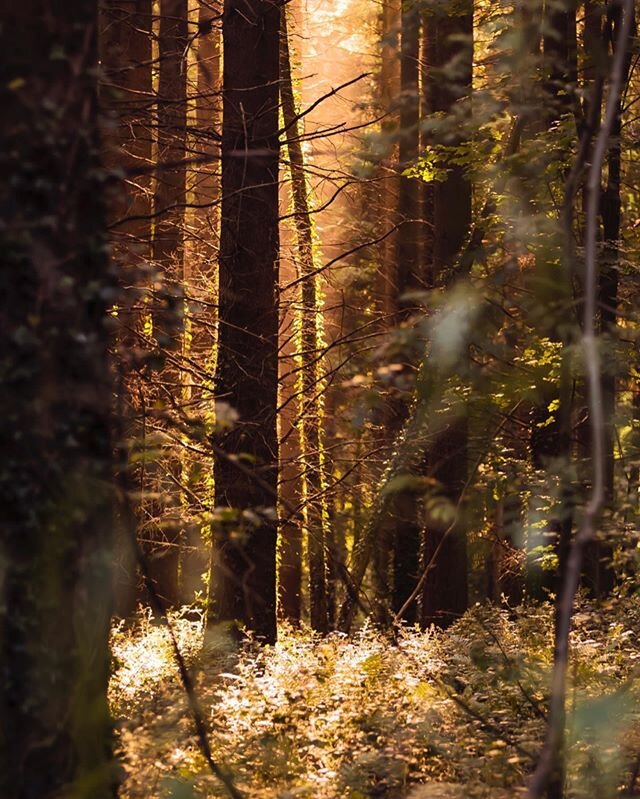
[(245, 472), (449, 52)]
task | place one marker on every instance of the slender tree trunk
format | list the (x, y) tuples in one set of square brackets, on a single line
[(200, 278), (383, 209), (167, 252), (290, 490), (290, 496), (408, 239), (551, 448), (310, 384), (172, 125), (56, 483), (405, 527), (445, 592), (599, 574), (125, 46), (206, 189), (245, 467)]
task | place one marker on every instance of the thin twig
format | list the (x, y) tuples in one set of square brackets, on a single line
[(187, 683)]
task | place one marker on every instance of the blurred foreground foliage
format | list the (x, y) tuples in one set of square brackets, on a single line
[(429, 714)]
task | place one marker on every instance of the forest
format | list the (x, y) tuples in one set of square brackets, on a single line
[(320, 399)]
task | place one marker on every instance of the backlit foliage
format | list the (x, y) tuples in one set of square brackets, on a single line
[(367, 716)]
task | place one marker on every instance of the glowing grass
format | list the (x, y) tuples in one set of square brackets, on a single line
[(362, 716)]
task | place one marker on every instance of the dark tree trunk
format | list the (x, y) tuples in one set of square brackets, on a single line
[(404, 522), (445, 593), (290, 532), (599, 576), (383, 209), (551, 446), (172, 129), (125, 47), (167, 250), (244, 568), (551, 442), (56, 482), (559, 56)]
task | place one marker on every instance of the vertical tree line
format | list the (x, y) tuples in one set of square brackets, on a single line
[(153, 376)]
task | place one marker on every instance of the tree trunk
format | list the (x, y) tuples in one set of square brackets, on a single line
[(445, 592), (599, 575), (200, 278), (56, 483), (382, 212), (290, 496), (559, 54), (310, 383), (125, 46), (245, 467), (405, 527), (172, 125), (551, 441), (167, 251)]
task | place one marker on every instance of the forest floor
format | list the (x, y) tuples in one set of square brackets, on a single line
[(365, 716)]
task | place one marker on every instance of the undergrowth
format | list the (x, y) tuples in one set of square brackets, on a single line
[(366, 716)]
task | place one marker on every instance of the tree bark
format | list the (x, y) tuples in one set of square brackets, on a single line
[(404, 523), (450, 42), (167, 252), (200, 277), (56, 482), (244, 568), (126, 95), (310, 383), (599, 576)]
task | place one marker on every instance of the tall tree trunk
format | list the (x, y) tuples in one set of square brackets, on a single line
[(56, 483), (172, 126), (200, 278), (125, 46), (405, 532), (551, 440), (167, 251), (383, 211), (245, 467), (551, 445), (599, 574), (445, 592), (310, 383)]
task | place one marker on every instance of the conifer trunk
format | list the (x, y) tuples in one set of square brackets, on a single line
[(383, 207), (167, 253), (125, 47), (310, 384), (598, 570), (243, 577), (445, 593), (200, 278), (404, 513)]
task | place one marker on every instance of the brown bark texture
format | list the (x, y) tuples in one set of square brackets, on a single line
[(245, 470)]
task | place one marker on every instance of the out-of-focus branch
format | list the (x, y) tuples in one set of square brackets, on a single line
[(555, 728)]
